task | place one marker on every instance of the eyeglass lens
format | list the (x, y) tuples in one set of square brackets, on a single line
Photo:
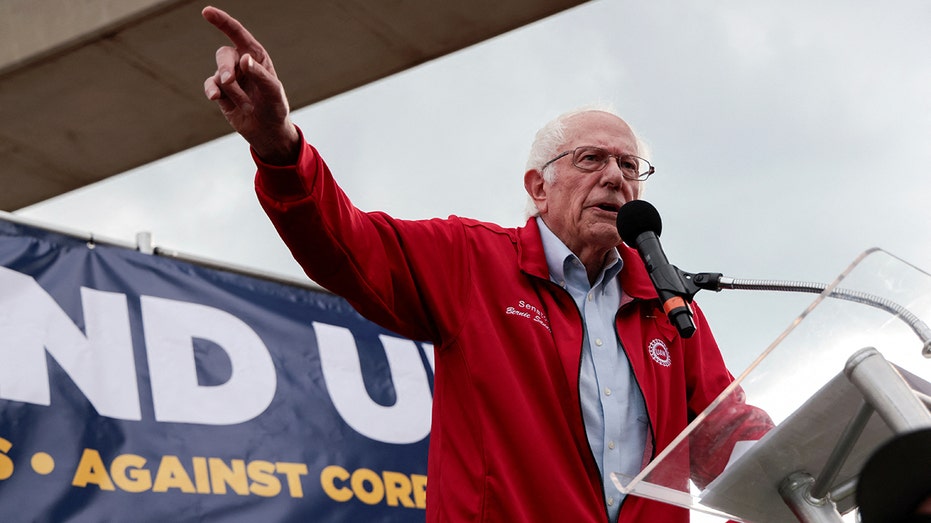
[(595, 159)]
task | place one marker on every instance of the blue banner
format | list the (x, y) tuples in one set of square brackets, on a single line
[(140, 388)]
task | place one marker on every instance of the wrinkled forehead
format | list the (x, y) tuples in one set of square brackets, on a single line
[(601, 129)]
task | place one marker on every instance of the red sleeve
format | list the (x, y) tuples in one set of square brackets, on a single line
[(732, 420), (392, 271)]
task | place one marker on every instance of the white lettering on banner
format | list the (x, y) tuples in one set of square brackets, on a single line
[(431, 358), (99, 361), (170, 327), (408, 420)]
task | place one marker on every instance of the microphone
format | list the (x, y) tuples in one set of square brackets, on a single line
[(639, 225)]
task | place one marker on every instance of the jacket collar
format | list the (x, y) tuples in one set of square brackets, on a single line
[(530, 255), (532, 260)]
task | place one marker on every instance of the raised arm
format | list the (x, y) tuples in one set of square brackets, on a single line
[(249, 93)]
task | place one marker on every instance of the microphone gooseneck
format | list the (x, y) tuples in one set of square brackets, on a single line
[(639, 225)]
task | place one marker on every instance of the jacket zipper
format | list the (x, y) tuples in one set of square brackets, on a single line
[(645, 406), (591, 452)]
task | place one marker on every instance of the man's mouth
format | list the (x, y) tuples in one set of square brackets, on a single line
[(608, 207)]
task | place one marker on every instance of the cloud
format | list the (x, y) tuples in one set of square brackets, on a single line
[(788, 137)]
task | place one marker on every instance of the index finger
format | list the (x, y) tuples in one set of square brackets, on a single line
[(235, 31)]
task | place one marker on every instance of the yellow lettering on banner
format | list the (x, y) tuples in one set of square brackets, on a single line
[(397, 489), (328, 481), (419, 482), (264, 483), (201, 475), (91, 470), (6, 464), (358, 480), (235, 476), (171, 474), (128, 473), (133, 473), (392, 488), (293, 471)]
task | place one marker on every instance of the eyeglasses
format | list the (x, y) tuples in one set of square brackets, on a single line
[(591, 159)]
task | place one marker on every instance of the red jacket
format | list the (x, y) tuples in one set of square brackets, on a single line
[(508, 442)]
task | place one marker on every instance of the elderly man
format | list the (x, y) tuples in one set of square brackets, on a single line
[(555, 365)]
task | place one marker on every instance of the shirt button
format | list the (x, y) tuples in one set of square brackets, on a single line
[(610, 502), (607, 391), (611, 445), (598, 342)]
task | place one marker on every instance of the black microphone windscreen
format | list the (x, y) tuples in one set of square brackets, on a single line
[(637, 217)]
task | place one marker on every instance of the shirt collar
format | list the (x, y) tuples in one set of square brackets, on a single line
[(558, 257)]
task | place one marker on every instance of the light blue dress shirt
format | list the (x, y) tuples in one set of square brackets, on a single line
[(613, 410)]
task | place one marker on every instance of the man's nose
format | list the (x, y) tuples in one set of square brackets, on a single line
[(612, 174), (613, 178)]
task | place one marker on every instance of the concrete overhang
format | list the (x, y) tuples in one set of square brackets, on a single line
[(94, 88)]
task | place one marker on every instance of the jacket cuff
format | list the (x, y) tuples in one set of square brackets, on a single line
[(286, 182)]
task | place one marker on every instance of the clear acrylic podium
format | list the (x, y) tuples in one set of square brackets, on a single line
[(842, 379)]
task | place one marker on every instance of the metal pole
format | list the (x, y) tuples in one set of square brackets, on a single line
[(841, 451), (887, 391), (796, 492)]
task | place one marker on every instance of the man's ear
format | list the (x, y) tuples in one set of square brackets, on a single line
[(535, 186)]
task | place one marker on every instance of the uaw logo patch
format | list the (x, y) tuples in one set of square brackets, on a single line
[(659, 352)]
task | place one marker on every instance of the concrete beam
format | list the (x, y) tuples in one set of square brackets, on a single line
[(94, 88)]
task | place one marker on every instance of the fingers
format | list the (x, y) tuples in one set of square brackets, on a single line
[(230, 94), (228, 81), (227, 61), (212, 88), (226, 106), (235, 31), (263, 85), (216, 92), (247, 90), (264, 81), (225, 75)]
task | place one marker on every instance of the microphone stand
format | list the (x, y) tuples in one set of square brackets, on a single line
[(712, 281)]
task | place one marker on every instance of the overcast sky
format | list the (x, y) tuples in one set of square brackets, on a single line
[(788, 137)]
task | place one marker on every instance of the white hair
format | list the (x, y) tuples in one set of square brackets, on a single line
[(552, 136)]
